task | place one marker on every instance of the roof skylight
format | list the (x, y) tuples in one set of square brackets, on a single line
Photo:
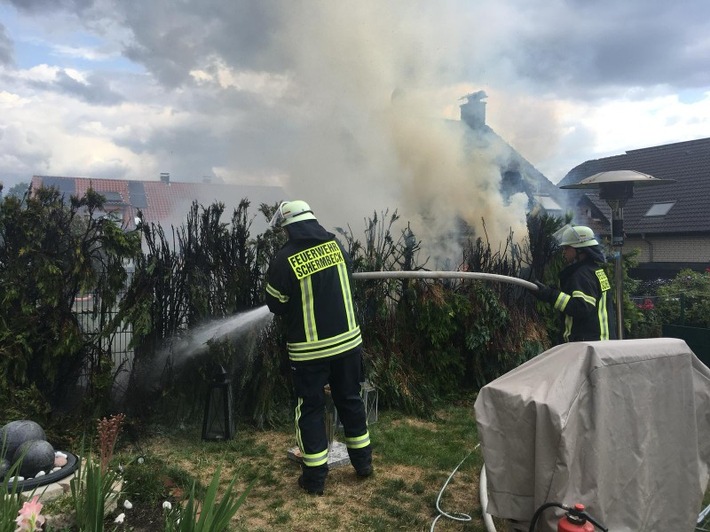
[(660, 209)]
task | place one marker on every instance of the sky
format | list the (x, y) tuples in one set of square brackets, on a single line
[(340, 103)]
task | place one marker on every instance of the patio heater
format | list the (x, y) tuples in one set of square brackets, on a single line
[(218, 423), (617, 187)]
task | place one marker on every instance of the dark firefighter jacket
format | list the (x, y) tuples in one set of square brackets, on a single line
[(308, 283), (585, 300)]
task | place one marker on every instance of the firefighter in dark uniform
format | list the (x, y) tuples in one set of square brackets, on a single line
[(584, 296), (309, 285)]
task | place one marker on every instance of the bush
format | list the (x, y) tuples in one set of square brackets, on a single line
[(431, 339), (50, 253), (647, 320), (423, 340), (685, 301)]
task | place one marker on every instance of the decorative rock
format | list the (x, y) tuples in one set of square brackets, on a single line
[(18, 432), (59, 460), (36, 455)]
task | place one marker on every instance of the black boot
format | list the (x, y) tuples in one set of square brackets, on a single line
[(361, 459), (312, 479), (309, 489)]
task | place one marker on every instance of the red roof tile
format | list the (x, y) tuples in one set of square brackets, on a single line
[(160, 201)]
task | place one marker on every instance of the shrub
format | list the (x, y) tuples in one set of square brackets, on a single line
[(50, 253), (685, 301)]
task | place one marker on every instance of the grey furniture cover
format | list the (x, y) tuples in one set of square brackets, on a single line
[(621, 426)]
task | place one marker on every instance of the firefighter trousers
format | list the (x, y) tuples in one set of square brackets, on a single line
[(344, 374)]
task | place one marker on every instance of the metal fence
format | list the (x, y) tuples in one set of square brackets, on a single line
[(116, 344)]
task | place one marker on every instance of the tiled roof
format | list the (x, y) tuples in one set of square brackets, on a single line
[(160, 201), (686, 162), (164, 199), (82, 184), (531, 181)]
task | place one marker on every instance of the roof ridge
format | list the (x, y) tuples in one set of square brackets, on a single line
[(682, 144)]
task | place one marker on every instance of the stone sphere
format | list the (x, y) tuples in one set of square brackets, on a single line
[(36, 456), (4, 466), (18, 432)]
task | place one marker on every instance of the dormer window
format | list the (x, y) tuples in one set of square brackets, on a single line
[(660, 209)]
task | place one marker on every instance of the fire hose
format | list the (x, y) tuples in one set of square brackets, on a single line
[(422, 274)]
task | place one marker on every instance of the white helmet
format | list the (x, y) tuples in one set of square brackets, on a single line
[(291, 212), (577, 236)]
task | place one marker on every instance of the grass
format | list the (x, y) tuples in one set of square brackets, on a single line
[(412, 457)]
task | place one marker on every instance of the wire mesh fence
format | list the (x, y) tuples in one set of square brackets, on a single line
[(87, 309)]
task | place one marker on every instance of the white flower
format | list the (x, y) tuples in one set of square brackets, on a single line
[(127, 504), (120, 518), (141, 460), (167, 505)]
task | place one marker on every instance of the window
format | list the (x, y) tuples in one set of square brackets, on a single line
[(547, 203), (660, 209), (112, 197)]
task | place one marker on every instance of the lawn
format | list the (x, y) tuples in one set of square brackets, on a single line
[(413, 458)]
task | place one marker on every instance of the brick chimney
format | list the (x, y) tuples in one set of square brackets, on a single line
[(473, 112)]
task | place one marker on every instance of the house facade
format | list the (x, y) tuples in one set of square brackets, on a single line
[(517, 174), (669, 225), (160, 201)]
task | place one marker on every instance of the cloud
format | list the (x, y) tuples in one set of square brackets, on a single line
[(6, 48), (94, 90), (589, 50), (22, 150), (171, 41), (44, 6), (299, 92)]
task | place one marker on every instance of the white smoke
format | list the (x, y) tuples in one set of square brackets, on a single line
[(372, 135)]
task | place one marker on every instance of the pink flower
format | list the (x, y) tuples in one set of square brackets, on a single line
[(28, 518), (646, 305)]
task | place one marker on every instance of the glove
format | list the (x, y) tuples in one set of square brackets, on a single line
[(544, 292)]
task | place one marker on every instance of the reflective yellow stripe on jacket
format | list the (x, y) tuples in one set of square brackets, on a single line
[(602, 314), (315, 347), (299, 351), (602, 308), (275, 293)]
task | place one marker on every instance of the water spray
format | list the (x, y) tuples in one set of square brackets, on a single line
[(200, 337), (196, 341)]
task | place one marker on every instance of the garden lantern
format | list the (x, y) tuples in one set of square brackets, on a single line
[(218, 423), (617, 187)]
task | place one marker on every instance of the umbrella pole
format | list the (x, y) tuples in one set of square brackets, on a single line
[(617, 240)]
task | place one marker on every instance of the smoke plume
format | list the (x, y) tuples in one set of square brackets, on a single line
[(371, 131)]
